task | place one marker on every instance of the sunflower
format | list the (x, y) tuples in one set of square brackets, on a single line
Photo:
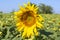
[(28, 20)]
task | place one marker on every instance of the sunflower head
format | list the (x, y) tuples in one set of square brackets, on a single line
[(28, 20)]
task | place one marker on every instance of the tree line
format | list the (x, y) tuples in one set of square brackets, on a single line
[(44, 9)]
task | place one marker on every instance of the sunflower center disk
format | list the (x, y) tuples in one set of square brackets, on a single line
[(28, 19)]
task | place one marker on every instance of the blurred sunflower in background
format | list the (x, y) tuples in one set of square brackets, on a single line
[(28, 20)]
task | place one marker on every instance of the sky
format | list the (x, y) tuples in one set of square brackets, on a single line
[(9, 5)]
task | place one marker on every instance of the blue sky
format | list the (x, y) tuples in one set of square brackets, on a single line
[(9, 5)]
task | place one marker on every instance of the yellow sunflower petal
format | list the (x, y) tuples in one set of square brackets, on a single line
[(35, 31), (25, 32), (40, 18), (39, 25), (22, 9)]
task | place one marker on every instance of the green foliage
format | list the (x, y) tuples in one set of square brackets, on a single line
[(50, 32), (45, 9)]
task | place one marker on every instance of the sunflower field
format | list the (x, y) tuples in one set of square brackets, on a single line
[(51, 28)]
